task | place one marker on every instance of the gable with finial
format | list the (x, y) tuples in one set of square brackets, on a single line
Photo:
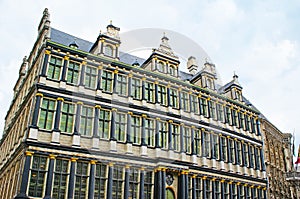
[(163, 59), (107, 44)]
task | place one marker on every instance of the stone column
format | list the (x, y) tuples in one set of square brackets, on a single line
[(81, 80), (36, 110), (45, 63), (100, 68), (115, 81), (170, 141), (92, 179), (64, 69), (57, 114), (72, 178), (142, 182), (49, 177), (110, 181), (25, 176), (126, 185)]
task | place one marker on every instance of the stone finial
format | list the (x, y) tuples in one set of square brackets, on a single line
[(23, 67), (192, 65)]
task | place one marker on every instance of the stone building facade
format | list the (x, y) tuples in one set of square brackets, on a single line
[(88, 121), (278, 160)]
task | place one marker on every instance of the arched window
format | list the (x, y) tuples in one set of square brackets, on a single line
[(161, 67), (238, 95), (172, 70), (210, 84), (108, 50)]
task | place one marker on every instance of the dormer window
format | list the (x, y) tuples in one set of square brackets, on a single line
[(172, 70), (209, 84), (238, 95), (108, 50), (161, 67)]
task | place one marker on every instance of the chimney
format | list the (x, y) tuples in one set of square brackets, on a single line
[(192, 65)]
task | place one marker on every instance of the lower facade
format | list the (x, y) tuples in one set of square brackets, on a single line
[(60, 173)]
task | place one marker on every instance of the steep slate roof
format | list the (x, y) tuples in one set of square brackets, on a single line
[(84, 45), (67, 39)]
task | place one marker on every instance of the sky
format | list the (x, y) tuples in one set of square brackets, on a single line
[(259, 40)]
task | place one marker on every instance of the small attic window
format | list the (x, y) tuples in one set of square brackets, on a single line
[(161, 67), (238, 95), (108, 50), (210, 84), (73, 44), (172, 70)]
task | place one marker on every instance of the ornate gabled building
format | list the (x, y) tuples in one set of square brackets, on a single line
[(278, 160), (88, 121)]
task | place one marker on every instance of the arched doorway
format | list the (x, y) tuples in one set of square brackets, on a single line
[(170, 194)]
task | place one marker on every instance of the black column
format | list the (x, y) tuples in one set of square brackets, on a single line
[(36, 110), (259, 193), (238, 189), (170, 141), (190, 100), (230, 190), (113, 124), (221, 148), (99, 77), (236, 152), (204, 187), (130, 85), (264, 193), (250, 157), (142, 182), (222, 189), (126, 186), (158, 184), (81, 82), (258, 132), (77, 118), (163, 187), (57, 114), (143, 139), (228, 150), (64, 69), (168, 95), (49, 177), (245, 191), (253, 192), (243, 155), (128, 137), (72, 178), (25, 176), (92, 180), (262, 161), (186, 177), (96, 122), (179, 99), (212, 146), (202, 143), (157, 134), (181, 183), (194, 187), (193, 140), (46, 58), (115, 81), (257, 163), (182, 149), (110, 181), (213, 188)]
